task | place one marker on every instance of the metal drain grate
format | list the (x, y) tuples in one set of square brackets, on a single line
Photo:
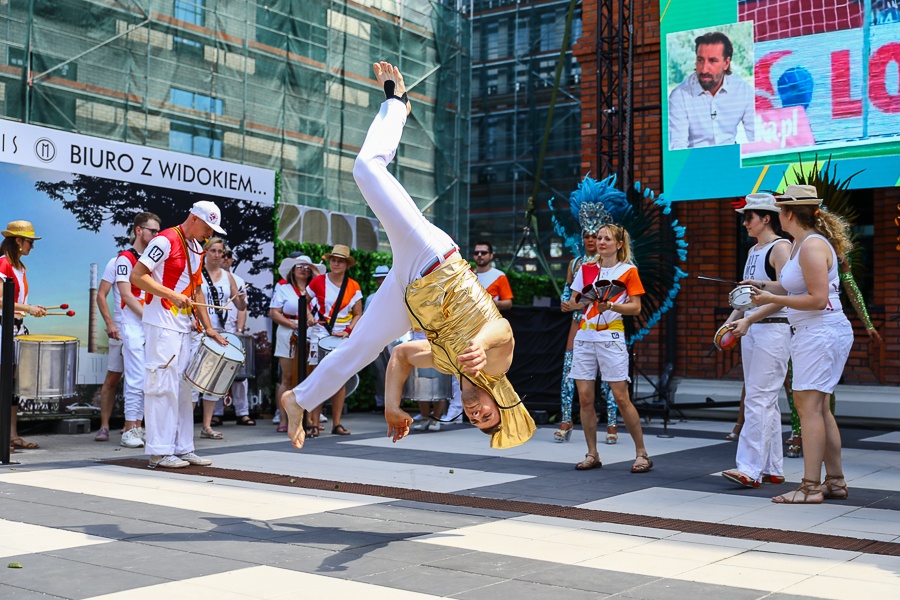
[(760, 534)]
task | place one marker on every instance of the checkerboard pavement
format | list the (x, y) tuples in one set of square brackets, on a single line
[(523, 523)]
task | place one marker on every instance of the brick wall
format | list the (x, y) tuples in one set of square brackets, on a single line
[(711, 230)]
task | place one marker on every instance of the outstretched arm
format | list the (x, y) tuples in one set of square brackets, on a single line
[(403, 358)]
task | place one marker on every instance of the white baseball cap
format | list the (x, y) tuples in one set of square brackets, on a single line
[(210, 214)]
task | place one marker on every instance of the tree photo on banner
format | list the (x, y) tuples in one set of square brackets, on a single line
[(84, 219)]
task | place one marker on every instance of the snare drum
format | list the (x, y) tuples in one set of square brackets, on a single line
[(724, 339), (329, 344), (213, 368), (46, 367), (740, 297)]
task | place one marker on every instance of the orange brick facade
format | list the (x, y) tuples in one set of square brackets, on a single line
[(712, 230)]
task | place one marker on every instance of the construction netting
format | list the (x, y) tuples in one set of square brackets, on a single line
[(281, 84)]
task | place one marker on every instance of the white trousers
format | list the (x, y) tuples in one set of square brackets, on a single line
[(238, 398), (415, 244), (133, 355), (765, 351), (169, 412)]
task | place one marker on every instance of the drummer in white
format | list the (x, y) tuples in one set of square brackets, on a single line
[(218, 288), (169, 271), (131, 303), (765, 349), (235, 322)]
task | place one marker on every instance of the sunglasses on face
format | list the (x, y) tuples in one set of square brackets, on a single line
[(480, 252)]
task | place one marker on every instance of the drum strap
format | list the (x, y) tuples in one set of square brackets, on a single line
[(187, 258), (215, 297), (336, 307)]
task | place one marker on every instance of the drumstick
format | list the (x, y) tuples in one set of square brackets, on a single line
[(720, 280), (62, 306), (211, 306), (70, 313)]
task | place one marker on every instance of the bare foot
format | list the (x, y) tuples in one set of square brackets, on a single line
[(384, 71), (294, 414)]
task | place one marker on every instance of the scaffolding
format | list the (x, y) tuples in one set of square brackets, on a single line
[(516, 47), (279, 84)]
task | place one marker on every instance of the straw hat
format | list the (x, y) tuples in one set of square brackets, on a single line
[(799, 195), (759, 202), (22, 229), (340, 251)]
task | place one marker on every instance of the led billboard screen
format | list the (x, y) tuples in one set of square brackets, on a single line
[(753, 87)]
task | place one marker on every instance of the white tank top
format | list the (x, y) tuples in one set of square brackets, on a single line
[(755, 268), (792, 281)]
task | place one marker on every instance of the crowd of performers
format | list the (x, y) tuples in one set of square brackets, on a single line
[(795, 331)]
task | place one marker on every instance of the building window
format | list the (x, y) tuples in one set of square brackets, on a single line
[(189, 11), (193, 138)]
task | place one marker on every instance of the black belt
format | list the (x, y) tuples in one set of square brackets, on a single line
[(16, 322), (774, 320)]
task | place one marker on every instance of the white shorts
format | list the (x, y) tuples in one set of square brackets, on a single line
[(115, 363), (283, 342), (819, 353), (611, 358)]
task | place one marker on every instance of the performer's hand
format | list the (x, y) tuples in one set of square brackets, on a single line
[(342, 334), (113, 333), (218, 337), (874, 336), (310, 321), (567, 305), (739, 327), (36, 310), (180, 300), (473, 359), (398, 424), (760, 298)]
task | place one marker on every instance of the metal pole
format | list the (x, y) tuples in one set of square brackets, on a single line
[(301, 339), (7, 352)]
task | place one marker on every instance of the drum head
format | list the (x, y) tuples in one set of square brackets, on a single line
[(43, 337), (233, 351), (329, 343), (740, 297), (725, 339)]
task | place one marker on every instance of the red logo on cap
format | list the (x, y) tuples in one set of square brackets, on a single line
[(213, 217)]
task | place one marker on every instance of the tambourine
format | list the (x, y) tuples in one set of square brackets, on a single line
[(740, 297), (725, 339)]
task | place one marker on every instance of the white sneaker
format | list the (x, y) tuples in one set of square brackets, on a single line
[(418, 417), (195, 460), (143, 434), (169, 462), (132, 438), (421, 425), (323, 418), (277, 418), (434, 425)]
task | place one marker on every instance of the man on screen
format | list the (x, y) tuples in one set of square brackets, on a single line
[(707, 107)]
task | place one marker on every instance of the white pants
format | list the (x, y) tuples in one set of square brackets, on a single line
[(169, 413), (238, 398), (415, 244), (765, 351), (133, 355)]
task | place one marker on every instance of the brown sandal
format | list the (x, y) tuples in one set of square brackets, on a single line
[(636, 468), (21, 444), (806, 488), (339, 430), (591, 461), (835, 491)]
